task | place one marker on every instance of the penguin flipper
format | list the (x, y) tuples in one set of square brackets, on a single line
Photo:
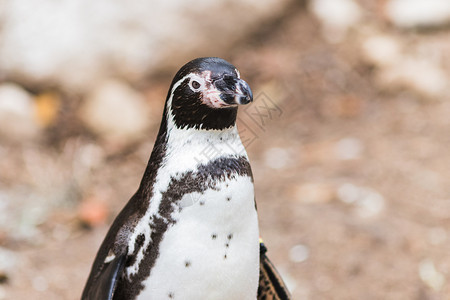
[(271, 285), (105, 284)]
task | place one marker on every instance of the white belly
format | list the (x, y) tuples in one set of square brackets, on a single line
[(212, 251)]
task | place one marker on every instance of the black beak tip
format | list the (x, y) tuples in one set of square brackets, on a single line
[(246, 99), (247, 95)]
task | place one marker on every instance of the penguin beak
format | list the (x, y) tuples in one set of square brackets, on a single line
[(233, 90)]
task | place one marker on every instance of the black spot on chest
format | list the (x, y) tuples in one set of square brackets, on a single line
[(205, 177)]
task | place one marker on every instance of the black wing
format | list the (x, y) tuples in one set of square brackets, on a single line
[(104, 276), (105, 285), (271, 285)]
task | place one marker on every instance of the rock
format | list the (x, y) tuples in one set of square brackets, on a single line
[(116, 112), (277, 158), (93, 212), (337, 16), (382, 50), (8, 261), (370, 205), (418, 68), (423, 76), (348, 193), (77, 44), (366, 202), (430, 276), (418, 13), (348, 148), (17, 113), (299, 253), (47, 108), (8, 264)]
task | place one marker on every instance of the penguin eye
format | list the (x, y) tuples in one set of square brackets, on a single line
[(195, 85)]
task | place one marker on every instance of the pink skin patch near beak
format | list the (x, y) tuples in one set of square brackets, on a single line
[(211, 96)]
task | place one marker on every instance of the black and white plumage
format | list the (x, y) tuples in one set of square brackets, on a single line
[(191, 229)]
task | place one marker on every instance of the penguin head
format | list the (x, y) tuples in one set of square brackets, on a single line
[(205, 94)]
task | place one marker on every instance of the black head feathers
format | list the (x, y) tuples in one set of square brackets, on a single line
[(205, 94)]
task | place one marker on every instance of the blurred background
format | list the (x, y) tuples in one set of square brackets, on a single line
[(348, 137)]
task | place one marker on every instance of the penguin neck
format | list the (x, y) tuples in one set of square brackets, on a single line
[(200, 140), (203, 144), (190, 147)]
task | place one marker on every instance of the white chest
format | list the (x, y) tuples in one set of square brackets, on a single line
[(212, 250)]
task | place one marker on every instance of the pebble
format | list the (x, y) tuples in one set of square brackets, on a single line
[(337, 16), (93, 211), (430, 275), (116, 112), (418, 13), (47, 108), (382, 50), (348, 193), (421, 75), (17, 113), (8, 261), (277, 158), (367, 203), (348, 148), (299, 253), (370, 205)]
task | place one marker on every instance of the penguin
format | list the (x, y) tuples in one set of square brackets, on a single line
[(191, 229)]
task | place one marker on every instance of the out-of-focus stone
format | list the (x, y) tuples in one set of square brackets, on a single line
[(8, 263), (77, 44), (93, 211), (17, 113), (416, 69), (116, 112), (47, 107), (420, 75), (337, 16), (370, 205), (348, 148), (277, 158), (382, 50), (348, 193), (299, 253), (430, 275), (418, 13), (366, 202)]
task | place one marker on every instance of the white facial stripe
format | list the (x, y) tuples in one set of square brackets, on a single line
[(178, 83), (169, 101), (211, 96), (200, 80)]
